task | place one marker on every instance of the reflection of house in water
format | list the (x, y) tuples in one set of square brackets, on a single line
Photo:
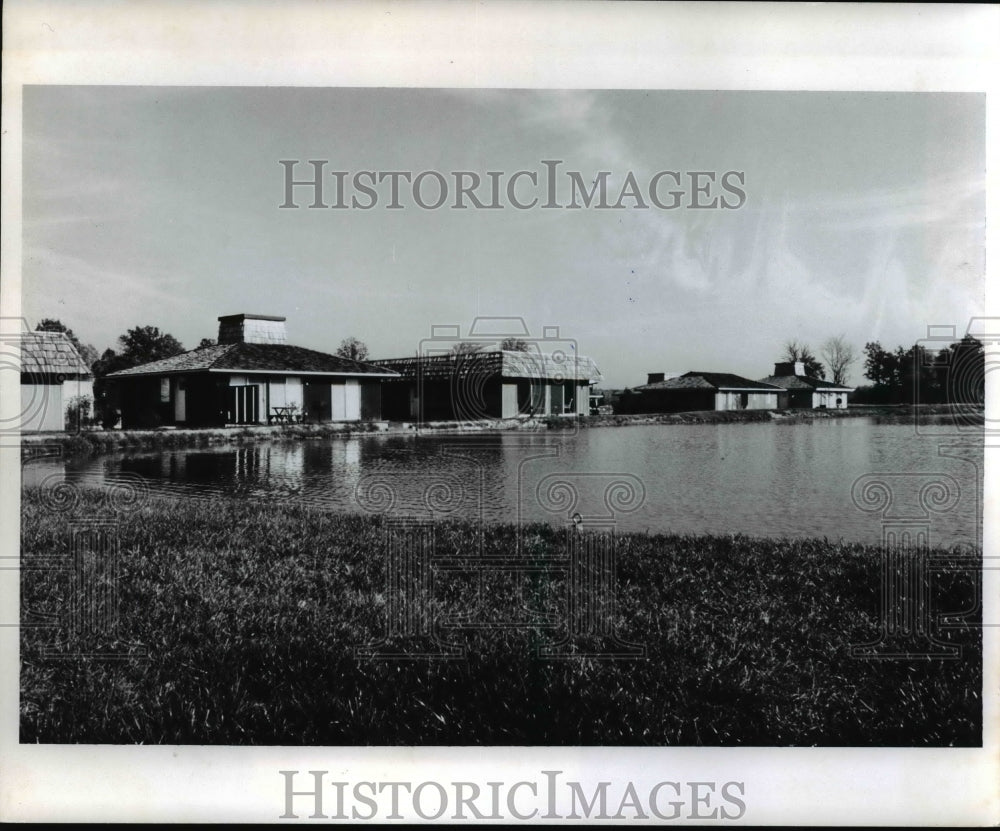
[(303, 471), (487, 385), (804, 391), (253, 376)]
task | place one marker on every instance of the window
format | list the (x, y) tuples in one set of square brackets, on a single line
[(164, 390)]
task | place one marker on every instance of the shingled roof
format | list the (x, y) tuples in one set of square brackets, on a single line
[(708, 381), (803, 382), (50, 353), (506, 363), (280, 359)]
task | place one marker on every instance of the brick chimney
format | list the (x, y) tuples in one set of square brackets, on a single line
[(654, 377), (790, 368), (244, 328)]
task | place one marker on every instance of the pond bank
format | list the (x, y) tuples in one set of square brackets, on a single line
[(95, 442), (253, 622)]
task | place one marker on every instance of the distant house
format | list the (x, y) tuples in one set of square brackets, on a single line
[(803, 391), (487, 385), (699, 391), (52, 375), (253, 376)]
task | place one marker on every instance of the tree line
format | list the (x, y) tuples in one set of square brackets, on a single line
[(954, 374)]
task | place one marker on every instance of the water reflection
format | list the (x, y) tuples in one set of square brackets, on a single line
[(765, 479)]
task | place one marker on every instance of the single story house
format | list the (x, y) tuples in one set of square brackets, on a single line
[(489, 384), (699, 391), (252, 376), (52, 375), (803, 391)]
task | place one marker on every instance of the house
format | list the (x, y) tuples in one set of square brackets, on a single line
[(252, 376), (698, 391), (803, 391), (488, 384), (52, 375)]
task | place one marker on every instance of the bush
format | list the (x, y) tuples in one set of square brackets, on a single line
[(78, 413)]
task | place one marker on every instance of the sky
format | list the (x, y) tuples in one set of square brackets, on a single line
[(863, 217)]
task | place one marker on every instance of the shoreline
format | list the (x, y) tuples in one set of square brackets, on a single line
[(99, 442)]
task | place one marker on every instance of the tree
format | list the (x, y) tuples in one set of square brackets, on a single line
[(144, 344), (962, 372), (795, 351), (352, 348), (915, 374), (466, 347), (839, 356), (514, 345), (881, 367), (204, 343), (912, 375), (51, 324)]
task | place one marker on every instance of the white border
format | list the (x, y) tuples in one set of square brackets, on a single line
[(491, 44)]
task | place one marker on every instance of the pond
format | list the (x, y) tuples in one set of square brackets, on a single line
[(853, 478)]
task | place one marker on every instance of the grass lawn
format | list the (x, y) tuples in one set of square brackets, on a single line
[(250, 614)]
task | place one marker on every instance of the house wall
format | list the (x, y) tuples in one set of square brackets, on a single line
[(284, 391), (396, 399), (371, 400), (317, 398), (44, 402), (352, 399), (178, 393), (666, 401), (206, 400), (829, 399), (445, 400), (78, 388), (345, 400), (342, 401), (509, 407), (800, 399), (142, 404), (203, 399), (42, 407), (338, 402), (754, 401)]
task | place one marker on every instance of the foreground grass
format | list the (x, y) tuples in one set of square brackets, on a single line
[(251, 613)]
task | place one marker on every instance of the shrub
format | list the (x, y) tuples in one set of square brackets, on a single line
[(78, 412)]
